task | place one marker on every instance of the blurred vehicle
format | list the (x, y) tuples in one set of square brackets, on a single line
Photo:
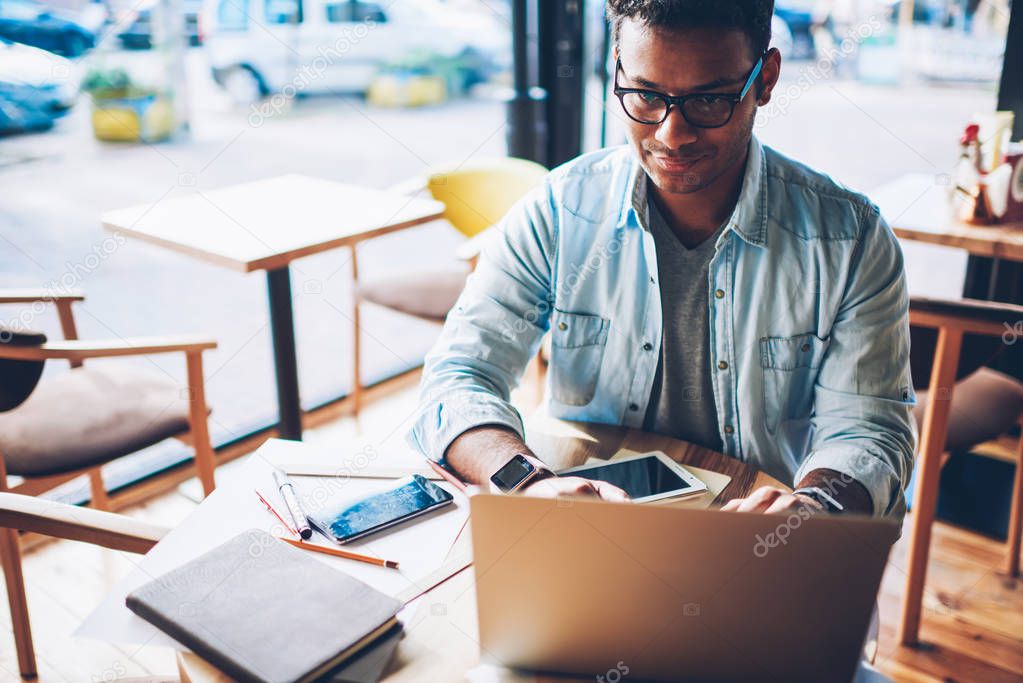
[(798, 18), (924, 11), (36, 87), (139, 34), (257, 47), (781, 36), (31, 23)]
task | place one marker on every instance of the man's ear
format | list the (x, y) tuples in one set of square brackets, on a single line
[(769, 75)]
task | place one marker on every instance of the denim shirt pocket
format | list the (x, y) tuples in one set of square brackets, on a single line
[(790, 366), (577, 352)]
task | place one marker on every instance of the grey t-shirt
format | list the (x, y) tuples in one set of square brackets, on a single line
[(682, 398)]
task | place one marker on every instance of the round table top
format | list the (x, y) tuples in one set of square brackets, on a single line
[(442, 644)]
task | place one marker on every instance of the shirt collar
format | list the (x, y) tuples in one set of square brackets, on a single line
[(748, 219)]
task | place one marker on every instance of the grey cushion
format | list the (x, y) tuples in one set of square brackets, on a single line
[(19, 376), (425, 294), (984, 405), (91, 415)]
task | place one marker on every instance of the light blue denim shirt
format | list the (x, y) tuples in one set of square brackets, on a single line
[(807, 308)]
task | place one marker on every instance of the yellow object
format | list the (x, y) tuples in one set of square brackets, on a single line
[(132, 120), (406, 91), (475, 196)]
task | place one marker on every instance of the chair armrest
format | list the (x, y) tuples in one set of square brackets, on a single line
[(60, 520), (80, 350), (28, 296), (970, 315)]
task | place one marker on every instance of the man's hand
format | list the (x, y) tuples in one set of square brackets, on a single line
[(770, 499), (849, 493), (552, 487), (479, 452)]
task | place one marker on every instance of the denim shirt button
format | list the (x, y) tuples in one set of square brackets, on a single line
[(647, 346), (633, 407), (720, 293), (728, 429)]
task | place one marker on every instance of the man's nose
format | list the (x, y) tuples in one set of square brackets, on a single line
[(675, 132)]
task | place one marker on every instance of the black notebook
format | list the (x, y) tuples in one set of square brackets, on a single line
[(261, 610)]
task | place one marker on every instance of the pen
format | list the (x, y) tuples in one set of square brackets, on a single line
[(291, 501), (347, 554)]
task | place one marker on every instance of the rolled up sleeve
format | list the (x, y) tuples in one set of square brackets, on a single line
[(863, 397), (492, 332)]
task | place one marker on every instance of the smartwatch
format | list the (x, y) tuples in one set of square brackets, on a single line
[(517, 473), (821, 497)]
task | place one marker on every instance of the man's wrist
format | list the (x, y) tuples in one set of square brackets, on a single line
[(477, 453), (818, 499), (850, 494), (539, 472)]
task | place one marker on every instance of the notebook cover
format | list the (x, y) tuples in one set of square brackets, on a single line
[(260, 610), (369, 664)]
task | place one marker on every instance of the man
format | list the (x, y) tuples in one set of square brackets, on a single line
[(696, 284)]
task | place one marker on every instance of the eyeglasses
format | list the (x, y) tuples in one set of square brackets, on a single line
[(702, 110)]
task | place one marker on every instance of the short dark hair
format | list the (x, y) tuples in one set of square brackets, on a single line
[(753, 17)]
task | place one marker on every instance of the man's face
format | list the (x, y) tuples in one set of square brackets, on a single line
[(681, 158)]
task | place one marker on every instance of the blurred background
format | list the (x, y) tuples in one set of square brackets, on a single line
[(119, 103)]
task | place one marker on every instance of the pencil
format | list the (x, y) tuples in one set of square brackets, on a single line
[(347, 554), (275, 513), (448, 476)]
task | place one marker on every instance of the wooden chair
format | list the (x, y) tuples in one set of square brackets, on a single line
[(69, 425), (475, 197), (50, 518), (957, 415)]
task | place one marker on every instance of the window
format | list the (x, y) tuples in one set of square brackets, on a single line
[(282, 11), (22, 11), (233, 15), (355, 10)]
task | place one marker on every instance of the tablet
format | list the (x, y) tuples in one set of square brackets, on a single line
[(645, 477)]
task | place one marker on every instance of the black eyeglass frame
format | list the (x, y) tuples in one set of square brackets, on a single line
[(669, 101)]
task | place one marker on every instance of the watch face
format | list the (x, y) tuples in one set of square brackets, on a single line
[(513, 473)]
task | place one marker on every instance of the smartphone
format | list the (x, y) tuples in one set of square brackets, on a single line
[(351, 520)]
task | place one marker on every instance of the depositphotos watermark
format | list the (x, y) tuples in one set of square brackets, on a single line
[(781, 533), (1012, 333), (821, 69), (310, 73), (614, 674), (74, 273), (577, 275)]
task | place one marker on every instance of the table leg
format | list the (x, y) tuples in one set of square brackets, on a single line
[(282, 330)]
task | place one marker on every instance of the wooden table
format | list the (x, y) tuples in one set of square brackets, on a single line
[(265, 225), (441, 642), (918, 208)]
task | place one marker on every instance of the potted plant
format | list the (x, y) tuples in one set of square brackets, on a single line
[(125, 111)]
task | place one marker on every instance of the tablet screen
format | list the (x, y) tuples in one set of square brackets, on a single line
[(639, 478)]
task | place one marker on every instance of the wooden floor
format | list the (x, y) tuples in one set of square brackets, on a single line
[(973, 620)]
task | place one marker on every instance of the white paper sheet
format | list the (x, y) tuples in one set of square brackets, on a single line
[(419, 546)]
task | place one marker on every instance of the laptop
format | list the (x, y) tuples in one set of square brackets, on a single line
[(576, 586)]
